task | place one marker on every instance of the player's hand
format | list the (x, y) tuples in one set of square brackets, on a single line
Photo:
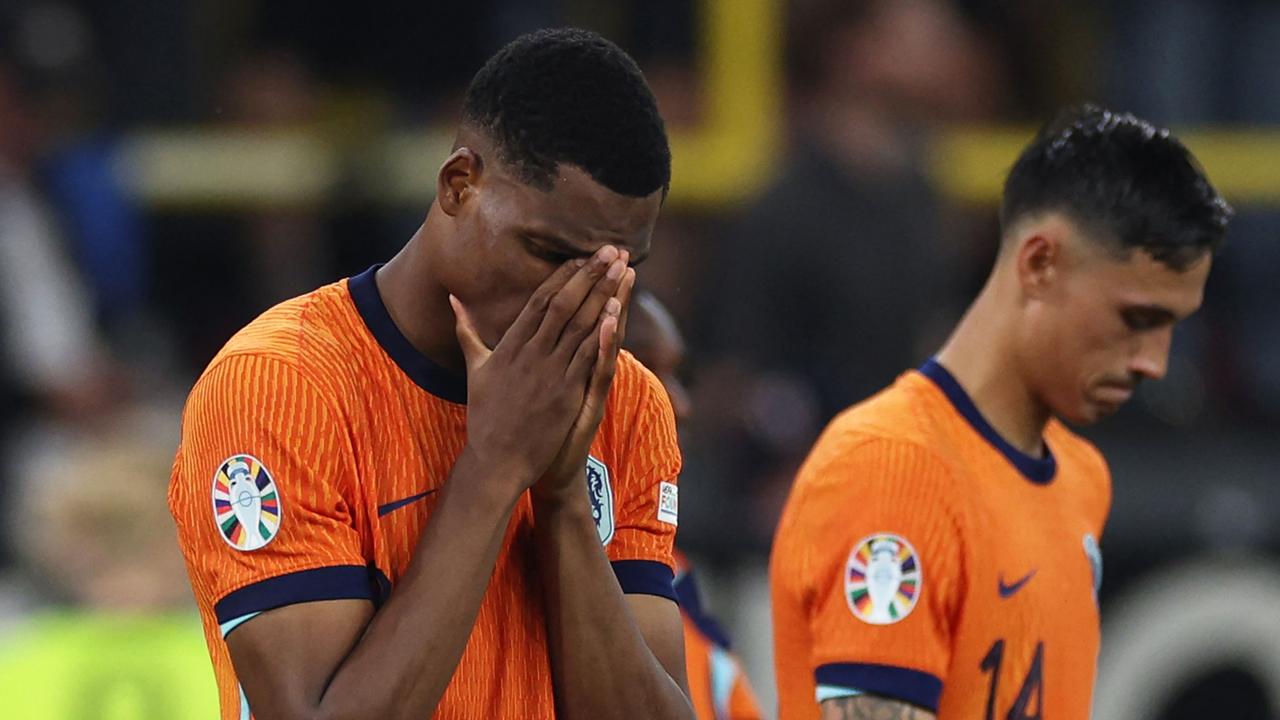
[(565, 479), (525, 395)]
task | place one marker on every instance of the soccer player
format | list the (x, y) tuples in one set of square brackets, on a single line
[(437, 489), (938, 555), (718, 687)]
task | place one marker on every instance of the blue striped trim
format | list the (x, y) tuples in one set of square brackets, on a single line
[(914, 686), (339, 582), (234, 623), (724, 675), (831, 692), (645, 577)]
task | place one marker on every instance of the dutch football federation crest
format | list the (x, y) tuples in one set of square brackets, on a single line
[(1094, 553), (601, 493), (882, 579), (246, 506)]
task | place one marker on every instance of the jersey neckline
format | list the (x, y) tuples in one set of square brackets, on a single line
[(1038, 470), (425, 373)]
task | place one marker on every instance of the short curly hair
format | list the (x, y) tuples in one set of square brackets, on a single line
[(570, 96), (1132, 184)]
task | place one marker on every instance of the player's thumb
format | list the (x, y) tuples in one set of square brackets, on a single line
[(473, 348)]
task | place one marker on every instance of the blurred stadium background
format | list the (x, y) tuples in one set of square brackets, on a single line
[(170, 169)]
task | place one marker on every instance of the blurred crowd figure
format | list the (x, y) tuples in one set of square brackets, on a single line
[(843, 272), (102, 624), (55, 366)]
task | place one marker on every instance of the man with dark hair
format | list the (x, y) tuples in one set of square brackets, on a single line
[(438, 486), (718, 686), (938, 556)]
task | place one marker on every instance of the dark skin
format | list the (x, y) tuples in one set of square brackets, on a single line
[(528, 291)]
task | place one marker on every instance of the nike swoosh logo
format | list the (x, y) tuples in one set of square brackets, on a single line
[(1007, 591), (397, 504)]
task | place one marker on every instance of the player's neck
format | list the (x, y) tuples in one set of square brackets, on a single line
[(419, 306), (981, 356)]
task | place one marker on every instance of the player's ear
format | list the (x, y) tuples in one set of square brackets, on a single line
[(457, 181), (1038, 259)]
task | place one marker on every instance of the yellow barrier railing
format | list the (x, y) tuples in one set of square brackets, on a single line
[(724, 160)]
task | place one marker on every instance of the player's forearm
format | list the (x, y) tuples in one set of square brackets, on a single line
[(405, 660), (600, 663)]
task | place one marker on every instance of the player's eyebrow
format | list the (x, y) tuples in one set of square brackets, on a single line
[(558, 244), (1153, 314)]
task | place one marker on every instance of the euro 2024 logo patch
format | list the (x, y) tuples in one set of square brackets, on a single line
[(601, 493), (246, 506), (882, 579)]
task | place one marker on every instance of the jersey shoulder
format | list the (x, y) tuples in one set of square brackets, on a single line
[(899, 424), (315, 335), (1081, 464), (636, 397)]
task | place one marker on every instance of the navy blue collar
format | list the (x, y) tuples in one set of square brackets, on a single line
[(426, 374), (1037, 470)]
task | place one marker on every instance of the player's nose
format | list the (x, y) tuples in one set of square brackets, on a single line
[(1152, 359)]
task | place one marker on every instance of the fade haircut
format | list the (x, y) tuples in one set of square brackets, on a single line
[(570, 96), (1129, 184)]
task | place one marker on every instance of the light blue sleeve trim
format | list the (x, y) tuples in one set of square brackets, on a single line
[(244, 705), (724, 673), (831, 692), (234, 623)]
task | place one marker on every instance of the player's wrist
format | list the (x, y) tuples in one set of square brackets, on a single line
[(501, 479), (565, 491)]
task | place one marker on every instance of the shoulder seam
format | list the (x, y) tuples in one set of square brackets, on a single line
[(276, 359)]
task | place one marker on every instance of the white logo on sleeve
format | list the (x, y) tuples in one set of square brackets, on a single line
[(882, 579), (601, 493), (668, 503), (246, 506)]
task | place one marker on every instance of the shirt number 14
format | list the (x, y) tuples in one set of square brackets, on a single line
[(1031, 685)]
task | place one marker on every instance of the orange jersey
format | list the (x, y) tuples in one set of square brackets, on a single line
[(313, 448), (718, 687), (922, 558)]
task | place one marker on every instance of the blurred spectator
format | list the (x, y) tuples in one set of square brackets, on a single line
[(840, 275), (1199, 62), (277, 252), (51, 361), (117, 637), (718, 686)]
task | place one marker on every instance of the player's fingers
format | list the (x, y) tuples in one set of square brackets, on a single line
[(606, 358), (625, 287), (587, 318), (530, 317), (571, 296), (473, 348), (587, 354)]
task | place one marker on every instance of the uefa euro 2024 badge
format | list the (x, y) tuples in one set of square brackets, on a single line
[(246, 506), (882, 579)]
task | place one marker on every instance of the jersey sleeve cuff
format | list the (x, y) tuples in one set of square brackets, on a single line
[(339, 582), (645, 577), (913, 686)]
